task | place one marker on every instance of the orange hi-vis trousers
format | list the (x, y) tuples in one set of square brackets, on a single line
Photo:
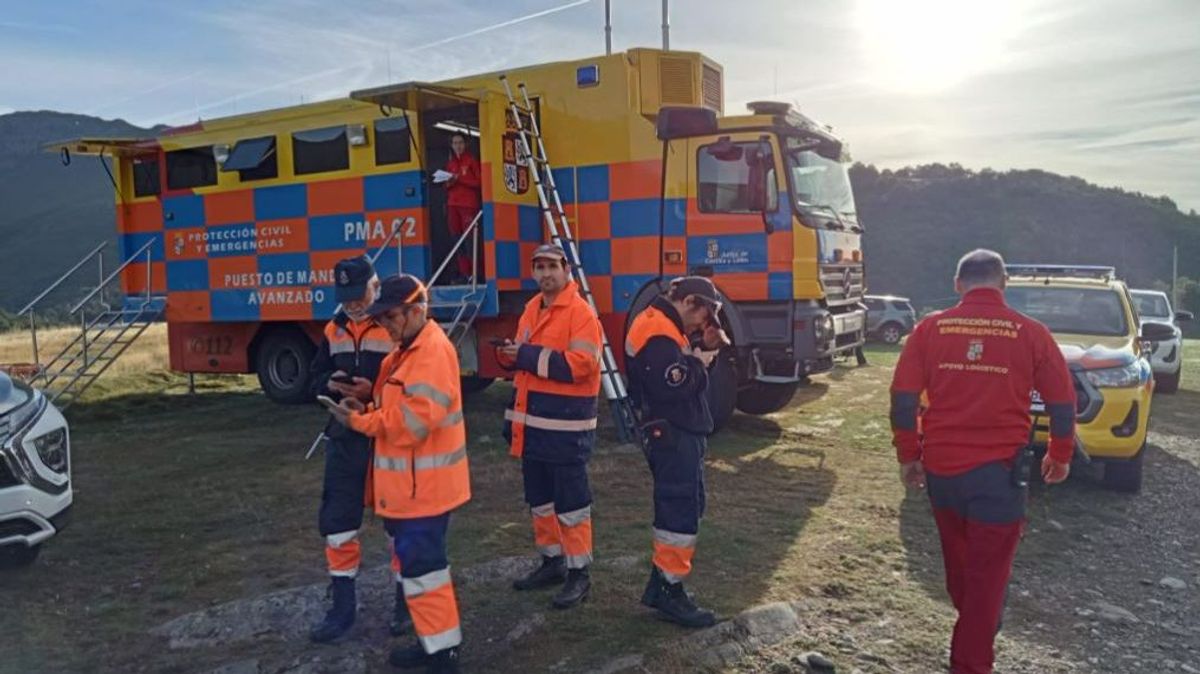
[(679, 501), (560, 501), (420, 545)]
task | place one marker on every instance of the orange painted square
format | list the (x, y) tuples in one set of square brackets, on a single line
[(635, 180), (703, 224), (416, 234), (505, 222), (779, 251), (133, 279), (244, 270), (228, 208), (743, 286), (145, 216), (184, 244), (286, 235), (635, 255), (594, 219), (334, 197), (602, 292), (191, 305), (508, 284)]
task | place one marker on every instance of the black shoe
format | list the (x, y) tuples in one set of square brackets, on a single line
[(675, 603), (576, 589), (401, 620), (410, 657), (552, 572), (444, 662), (340, 616)]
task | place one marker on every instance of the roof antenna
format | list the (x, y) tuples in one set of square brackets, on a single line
[(608, 27), (666, 27)]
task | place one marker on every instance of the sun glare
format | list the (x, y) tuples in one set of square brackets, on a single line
[(924, 46)]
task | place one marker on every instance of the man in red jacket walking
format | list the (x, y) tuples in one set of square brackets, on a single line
[(977, 364), (462, 198)]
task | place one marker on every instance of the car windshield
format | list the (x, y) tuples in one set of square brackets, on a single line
[(820, 183), (1080, 311), (1151, 305)]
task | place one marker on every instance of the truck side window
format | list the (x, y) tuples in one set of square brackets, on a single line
[(146, 177), (392, 144), (320, 150), (723, 183), (193, 167), (253, 159)]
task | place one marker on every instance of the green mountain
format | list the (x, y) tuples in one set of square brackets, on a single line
[(919, 220)]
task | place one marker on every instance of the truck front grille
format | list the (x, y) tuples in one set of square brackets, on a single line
[(843, 283)]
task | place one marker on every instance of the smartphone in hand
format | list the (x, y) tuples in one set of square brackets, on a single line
[(342, 378), (329, 404)]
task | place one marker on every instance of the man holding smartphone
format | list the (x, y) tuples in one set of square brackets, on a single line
[(346, 366), (551, 423)]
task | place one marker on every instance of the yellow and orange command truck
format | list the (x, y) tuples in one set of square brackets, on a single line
[(246, 216)]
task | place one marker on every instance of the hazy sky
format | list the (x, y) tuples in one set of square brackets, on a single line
[(1108, 90)]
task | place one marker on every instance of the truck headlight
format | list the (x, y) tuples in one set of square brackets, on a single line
[(1126, 376), (823, 329), (52, 449)]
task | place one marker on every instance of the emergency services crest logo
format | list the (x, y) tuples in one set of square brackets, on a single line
[(178, 245), (975, 350), (343, 278), (516, 162), (676, 375)]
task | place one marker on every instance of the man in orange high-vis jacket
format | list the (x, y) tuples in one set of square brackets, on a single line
[(551, 423), (346, 364), (669, 348), (420, 464)]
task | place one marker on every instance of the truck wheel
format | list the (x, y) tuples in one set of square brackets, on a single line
[(471, 385), (763, 398), (284, 357), (891, 333), (18, 556), (1168, 383), (722, 389), (1125, 476)]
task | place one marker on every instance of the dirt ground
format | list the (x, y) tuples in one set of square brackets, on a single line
[(188, 504)]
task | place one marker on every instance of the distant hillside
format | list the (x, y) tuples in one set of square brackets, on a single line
[(920, 220), (50, 215)]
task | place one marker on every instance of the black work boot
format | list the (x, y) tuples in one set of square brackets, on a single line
[(552, 572), (654, 587), (444, 662), (401, 620), (340, 616), (576, 589), (675, 603), (410, 657)]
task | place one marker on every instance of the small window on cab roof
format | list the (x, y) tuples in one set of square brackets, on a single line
[(392, 142)]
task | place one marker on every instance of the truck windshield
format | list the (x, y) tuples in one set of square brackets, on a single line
[(820, 184), (1076, 311)]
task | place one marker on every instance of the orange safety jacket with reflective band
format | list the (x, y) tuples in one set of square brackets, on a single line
[(420, 463), (552, 416)]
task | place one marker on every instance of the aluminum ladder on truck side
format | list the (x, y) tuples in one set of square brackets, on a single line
[(560, 233)]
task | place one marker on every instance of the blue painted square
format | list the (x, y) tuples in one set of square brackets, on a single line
[(187, 275), (781, 219), (185, 211), (282, 201), (338, 232), (232, 240), (529, 223), (508, 259), (633, 217), (284, 269), (592, 183), (596, 256), (564, 180), (233, 305), (132, 243), (392, 190), (625, 287), (675, 221), (779, 286), (729, 252), (323, 303), (528, 284), (489, 222)]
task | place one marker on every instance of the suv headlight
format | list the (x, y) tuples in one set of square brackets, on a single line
[(52, 449), (1126, 376)]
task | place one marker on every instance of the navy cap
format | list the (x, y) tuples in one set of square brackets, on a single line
[(550, 250), (350, 278), (398, 291), (700, 287)]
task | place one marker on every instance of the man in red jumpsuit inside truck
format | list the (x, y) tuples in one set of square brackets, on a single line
[(977, 364), (462, 200)]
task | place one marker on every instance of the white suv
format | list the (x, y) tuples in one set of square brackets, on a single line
[(1166, 358), (35, 471)]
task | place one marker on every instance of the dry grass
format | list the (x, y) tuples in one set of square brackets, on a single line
[(147, 354)]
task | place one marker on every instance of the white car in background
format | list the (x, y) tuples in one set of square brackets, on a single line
[(35, 471), (1166, 358)]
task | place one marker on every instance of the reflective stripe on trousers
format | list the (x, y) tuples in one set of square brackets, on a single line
[(546, 533), (343, 553), (576, 528), (434, 610), (673, 553)]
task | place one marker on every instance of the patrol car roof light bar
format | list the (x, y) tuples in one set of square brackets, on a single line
[(1102, 272), (560, 233)]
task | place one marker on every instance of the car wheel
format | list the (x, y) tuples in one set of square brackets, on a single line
[(284, 357), (722, 389), (1168, 383), (763, 398), (18, 556), (1125, 476), (472, 385), (891, 333)]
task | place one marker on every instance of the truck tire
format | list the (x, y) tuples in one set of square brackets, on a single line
[(1125, 476), (18, 556), (1168, 383), (284, 358), (762, 398), (472, 385), (890, 333), (722, 388)]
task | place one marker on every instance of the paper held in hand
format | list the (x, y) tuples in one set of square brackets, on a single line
[(329, 404), (440, 176)]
